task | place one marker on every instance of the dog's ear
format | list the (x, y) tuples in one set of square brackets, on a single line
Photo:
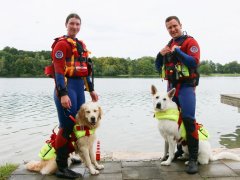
[(153, 89), (81, 114), (100, 112), (171, 93)]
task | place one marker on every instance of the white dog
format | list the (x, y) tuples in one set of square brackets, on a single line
[(162, 103), (88, 120)]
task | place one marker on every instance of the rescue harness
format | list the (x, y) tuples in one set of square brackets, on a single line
[(48, 151), (175, 71), (174, 115), (79, 65)]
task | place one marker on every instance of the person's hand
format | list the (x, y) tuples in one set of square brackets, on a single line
[(174, 47), (66, 102), (94, 96), (165, 50)]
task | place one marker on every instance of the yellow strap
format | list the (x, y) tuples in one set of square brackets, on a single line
[(86, 83), (72, 66), (81, 133)]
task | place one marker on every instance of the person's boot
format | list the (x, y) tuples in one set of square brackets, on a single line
[(62, 157), (76, 161), (179, 152), (67, 173), (192, 167), (192, 143)]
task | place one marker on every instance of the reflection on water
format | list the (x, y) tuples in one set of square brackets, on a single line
[(27, 114), (231, 140)]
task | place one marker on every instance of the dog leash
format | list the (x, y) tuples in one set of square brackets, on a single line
[(68, 114)]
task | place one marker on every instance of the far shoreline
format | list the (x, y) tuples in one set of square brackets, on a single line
[(129, 76)]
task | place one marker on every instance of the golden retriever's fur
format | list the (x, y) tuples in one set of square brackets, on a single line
[(43, 166), (89, 116)]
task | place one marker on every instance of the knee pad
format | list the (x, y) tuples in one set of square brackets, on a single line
[(62, 137)]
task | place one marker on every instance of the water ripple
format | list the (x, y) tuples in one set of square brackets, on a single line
[(28, 115)]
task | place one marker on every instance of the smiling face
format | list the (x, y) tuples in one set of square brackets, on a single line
[(162, 101), (73, 27), (174, 28)]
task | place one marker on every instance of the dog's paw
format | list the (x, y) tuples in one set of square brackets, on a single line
[(94, 172), (164, 158), (186, 162), (165, 163), (100, 166)]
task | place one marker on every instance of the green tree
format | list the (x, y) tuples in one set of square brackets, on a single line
[(205, 69), (232, 67)]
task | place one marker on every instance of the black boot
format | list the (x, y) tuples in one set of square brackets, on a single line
[(67, 174), (179, 152), (76, 161), (192, 142), (62, 163), (192, 167), (62, 157)]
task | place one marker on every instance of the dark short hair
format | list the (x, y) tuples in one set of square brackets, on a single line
[(171, 18), (72, 15)]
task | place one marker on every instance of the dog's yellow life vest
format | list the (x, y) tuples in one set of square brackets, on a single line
[(173, 114), (47, 152), (81, 133), (202, 132), (170, 114)]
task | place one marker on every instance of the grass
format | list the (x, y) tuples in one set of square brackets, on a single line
[(6, 170), (226, 75)]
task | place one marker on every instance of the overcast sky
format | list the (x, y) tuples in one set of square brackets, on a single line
[(124, 28)]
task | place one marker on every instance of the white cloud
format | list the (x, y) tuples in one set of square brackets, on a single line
[(126, 28)]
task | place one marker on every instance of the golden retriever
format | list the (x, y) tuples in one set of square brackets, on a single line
[(88, 116), (88, 120)]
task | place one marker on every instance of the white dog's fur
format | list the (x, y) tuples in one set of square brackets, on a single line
[(169, 131), (89, 115)]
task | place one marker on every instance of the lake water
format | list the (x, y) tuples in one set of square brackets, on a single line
[(28, 114)]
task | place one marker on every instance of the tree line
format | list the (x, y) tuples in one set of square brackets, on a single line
[(19, 63)]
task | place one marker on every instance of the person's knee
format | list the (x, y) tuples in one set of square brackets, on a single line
[(189, 124), (67, 131)]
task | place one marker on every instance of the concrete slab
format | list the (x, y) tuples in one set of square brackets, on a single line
[(137, 172), (177, 165), (235, 165), (115, 176), (231, 99), (224, 178), (26, 177), (216, 170), (111, 167), (137, 163), (179, 176), (52, 177), (219, 170)]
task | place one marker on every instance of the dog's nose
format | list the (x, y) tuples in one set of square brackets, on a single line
[(93, 119), (158, 106)]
